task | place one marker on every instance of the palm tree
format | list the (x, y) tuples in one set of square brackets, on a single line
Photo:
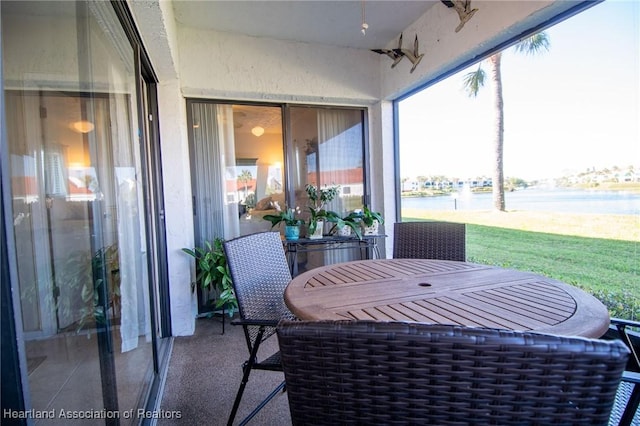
[(245, 177), (475, 80)]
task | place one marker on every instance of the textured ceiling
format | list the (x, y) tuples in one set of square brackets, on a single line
[(246, 117), (336, 23)]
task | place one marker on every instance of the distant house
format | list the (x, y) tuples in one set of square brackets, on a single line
[(410, 185)]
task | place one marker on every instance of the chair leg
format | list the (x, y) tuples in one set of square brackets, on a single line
[(245, 378), (223, 315), (246, 370), (262, 404)]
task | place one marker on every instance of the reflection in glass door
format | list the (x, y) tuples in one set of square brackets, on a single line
[(237, 156), (81, 262), (327, 149), (79, 213), (239, 167)]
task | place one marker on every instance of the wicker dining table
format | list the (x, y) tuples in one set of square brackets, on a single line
[(445, 292)]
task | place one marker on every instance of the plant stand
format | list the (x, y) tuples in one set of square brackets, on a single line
[(210, 314)]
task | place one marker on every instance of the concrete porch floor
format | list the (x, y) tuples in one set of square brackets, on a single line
[(204, 375)]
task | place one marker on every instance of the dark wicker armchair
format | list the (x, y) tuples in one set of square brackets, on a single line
[(429, 240), (392, 373), (625, 409), (260, 273)]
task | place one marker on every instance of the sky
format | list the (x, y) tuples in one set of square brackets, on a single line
[(568, 109)]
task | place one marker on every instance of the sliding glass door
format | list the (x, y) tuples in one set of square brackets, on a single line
[(248, 161), (79, 215), (237, 157), (327, 149)]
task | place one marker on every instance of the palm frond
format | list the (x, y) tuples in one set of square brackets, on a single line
[(534, 44), (474, 81)]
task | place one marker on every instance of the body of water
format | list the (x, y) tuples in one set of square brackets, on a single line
[(555, 200)]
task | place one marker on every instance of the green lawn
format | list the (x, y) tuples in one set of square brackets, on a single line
[(605, 267)]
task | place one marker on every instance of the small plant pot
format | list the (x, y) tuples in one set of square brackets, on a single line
[(371, 230), (292, 232), (317, 234), (345, 231)]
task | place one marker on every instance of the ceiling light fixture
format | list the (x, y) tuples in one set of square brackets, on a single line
[(257, 131), (82, 126), (364, 26)]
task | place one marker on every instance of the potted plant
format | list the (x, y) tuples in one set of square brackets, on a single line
[(213, 272), (79, 281), (318, 199), (370, 221), (291, 222), (345, 225)]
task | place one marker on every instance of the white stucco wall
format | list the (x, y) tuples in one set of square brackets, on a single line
[(382, 166), (177, 202), (158, 30), (157, 27), (227, 66)]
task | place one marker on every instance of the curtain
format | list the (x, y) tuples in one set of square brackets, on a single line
[(213, 151), (30, 213), (334, 159), (332, 141), (214, 175), (227, 155), (131, 242), (55, 173)]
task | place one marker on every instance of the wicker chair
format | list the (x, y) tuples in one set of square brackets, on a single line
[(626, 405), (392, 373), (429, 240), (260, 273)]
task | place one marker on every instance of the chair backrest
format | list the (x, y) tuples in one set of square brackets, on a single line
[(370, 372), (628, 398), (429, 240), (260, 273)]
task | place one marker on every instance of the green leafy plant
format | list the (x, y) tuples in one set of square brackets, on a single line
[(369, 216), (318, 199), (80, 280), (213, 271), (352, 220), (288, 216)]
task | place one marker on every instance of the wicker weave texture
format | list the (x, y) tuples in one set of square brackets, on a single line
[(625, 410), (260, 273), (429, 240), (362, 372)]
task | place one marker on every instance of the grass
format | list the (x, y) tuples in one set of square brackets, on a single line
[(598, 253)]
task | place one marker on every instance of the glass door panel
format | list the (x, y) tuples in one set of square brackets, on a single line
[(239, 167), (258, 182), (326, 149), (237, 157), (79, 222), (237, 154)]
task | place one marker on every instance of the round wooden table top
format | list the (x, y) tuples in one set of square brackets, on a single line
[(445, 292)]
